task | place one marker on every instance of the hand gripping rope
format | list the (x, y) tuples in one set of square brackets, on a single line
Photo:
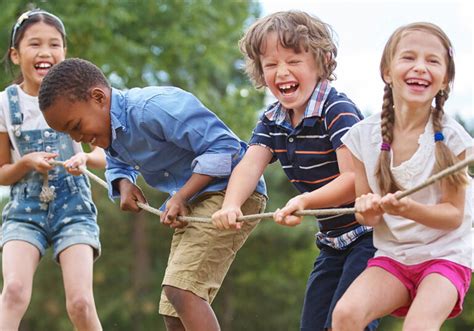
[(310, 212)]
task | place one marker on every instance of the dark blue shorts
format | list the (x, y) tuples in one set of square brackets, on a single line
[(333, 272)]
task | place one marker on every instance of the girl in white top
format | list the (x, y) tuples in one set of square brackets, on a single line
[(422, 267), (64, 218)]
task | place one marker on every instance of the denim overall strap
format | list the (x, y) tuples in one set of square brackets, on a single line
[(37, 140), (16, 115)]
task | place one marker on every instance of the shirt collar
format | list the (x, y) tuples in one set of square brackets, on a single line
[(117, 114), (279, 114)]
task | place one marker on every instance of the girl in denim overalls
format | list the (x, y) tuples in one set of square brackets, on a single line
[(48, 206)]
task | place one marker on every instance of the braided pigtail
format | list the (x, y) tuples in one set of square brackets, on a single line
[(444, 156), (385, 179)]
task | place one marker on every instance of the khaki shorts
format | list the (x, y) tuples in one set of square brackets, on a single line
[(200, 254)]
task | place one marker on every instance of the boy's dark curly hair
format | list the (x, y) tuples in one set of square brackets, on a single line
[(71, 78)]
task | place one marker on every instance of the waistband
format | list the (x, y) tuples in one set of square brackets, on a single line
[(32, 187)]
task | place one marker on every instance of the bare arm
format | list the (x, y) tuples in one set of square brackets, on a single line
[(367, 203), (96, 158), (10, 173), (446, 215), (176, 205), (338, 192), (242, 184)]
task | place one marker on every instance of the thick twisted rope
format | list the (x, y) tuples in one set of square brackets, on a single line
[(310, 212)]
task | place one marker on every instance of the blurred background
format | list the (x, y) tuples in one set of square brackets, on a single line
[(192, 44)]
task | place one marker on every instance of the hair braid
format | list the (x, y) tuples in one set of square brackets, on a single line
[(444, 156), (385, 179)]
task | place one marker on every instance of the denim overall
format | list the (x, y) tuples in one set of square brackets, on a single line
[(65, 217)]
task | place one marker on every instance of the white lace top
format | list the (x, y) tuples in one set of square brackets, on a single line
[(403, 239)]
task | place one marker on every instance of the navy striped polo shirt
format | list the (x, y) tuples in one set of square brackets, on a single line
[(307, 153)]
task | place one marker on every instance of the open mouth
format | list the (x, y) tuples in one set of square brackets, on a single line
[(419, 84), (288, 88), (43, 67)]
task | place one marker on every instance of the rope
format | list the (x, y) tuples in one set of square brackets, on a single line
[(310, 212)]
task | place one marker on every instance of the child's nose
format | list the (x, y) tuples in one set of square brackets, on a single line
[(420, 66), (282, 70), (44, 51)]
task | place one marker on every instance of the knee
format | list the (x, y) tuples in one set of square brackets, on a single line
[(15, 293), (79, 306), (346, 317)]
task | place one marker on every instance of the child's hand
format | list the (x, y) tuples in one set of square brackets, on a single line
[(368, 206), (392, 206), (72, 165), (176, 206), (226, 218), (284, 216), (39, 161), (130, 194)]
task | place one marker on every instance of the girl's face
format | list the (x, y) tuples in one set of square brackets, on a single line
[(40, 48), (418, 70), (290, 76)]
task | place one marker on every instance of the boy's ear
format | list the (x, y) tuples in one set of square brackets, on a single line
[(98, 95), (14, 56)]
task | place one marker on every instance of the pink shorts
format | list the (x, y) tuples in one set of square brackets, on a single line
[(412, 275)]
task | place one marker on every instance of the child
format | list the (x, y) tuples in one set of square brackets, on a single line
[(422, 268), (47, 205), (179, 147), (293, 54)]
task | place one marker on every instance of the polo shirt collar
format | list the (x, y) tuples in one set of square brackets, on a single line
[(279, 114)]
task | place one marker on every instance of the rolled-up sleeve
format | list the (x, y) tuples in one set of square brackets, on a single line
[(183, 120), (115, 170)]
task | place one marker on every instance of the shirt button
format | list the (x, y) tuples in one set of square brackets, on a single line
[(47, 134), (166, 174), (48, 148), (290, 139), (137, 167), (173, 192)]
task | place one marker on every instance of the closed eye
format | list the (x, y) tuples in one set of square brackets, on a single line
[(76, 127)]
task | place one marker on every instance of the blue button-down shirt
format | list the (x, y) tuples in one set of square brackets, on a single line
[(166, 134)]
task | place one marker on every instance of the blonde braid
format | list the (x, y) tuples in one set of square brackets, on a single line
[(444, 156), (385, 179)]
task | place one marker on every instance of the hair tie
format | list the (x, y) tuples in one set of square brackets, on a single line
[(450, 52), (385, 147), (438, 136)]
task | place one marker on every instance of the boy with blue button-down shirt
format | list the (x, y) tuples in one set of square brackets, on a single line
[(293, 54), (179, 147)]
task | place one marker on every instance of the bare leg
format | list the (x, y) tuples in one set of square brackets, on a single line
[(434, 301), (173, 323), (17, 282), (194, 313), (375, 293), (77, 264)]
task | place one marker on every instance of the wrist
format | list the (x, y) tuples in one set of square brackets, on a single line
[(25, 163), (303, 197)]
